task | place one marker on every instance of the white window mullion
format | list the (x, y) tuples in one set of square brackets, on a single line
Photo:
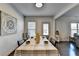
[(45, 29), (74, 28), (31, 28)]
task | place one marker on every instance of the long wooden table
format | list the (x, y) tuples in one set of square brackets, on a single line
[(33, 49)]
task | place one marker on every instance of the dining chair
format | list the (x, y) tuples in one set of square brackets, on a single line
[(20, 42), (53, 41)]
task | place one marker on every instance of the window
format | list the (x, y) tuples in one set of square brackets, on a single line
[(31, 28), (46, 29), (74, 28)]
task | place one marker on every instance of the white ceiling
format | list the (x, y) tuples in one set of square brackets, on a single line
[(49, 9), (73, 12)]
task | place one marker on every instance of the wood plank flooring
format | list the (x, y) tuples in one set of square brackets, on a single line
[(67, 49)]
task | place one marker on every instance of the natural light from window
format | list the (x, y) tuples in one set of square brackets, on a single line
[(46, 29), (31, 28), (74, 28)]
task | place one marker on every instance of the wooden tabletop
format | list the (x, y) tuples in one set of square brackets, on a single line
[(33, 49), (33, 46)]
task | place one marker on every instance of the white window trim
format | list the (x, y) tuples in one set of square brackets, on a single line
[(48, 27)]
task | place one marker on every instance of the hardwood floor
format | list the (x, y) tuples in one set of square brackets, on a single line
[(65, 49)]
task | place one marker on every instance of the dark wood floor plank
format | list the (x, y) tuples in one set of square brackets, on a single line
[(67, 49)]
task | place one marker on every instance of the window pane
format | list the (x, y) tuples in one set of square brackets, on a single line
[(73, 25), (31, 28), (45, 29), (72, 32), (78, 31), (31, 25), (31, 32), (78, 25)]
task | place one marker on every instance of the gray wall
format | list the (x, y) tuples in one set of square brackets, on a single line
[(63, 25), (9, 42), (39, 21)]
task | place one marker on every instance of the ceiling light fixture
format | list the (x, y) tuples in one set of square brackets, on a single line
[(39, 5)]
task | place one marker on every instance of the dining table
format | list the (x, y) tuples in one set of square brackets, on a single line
[(31, 48)]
